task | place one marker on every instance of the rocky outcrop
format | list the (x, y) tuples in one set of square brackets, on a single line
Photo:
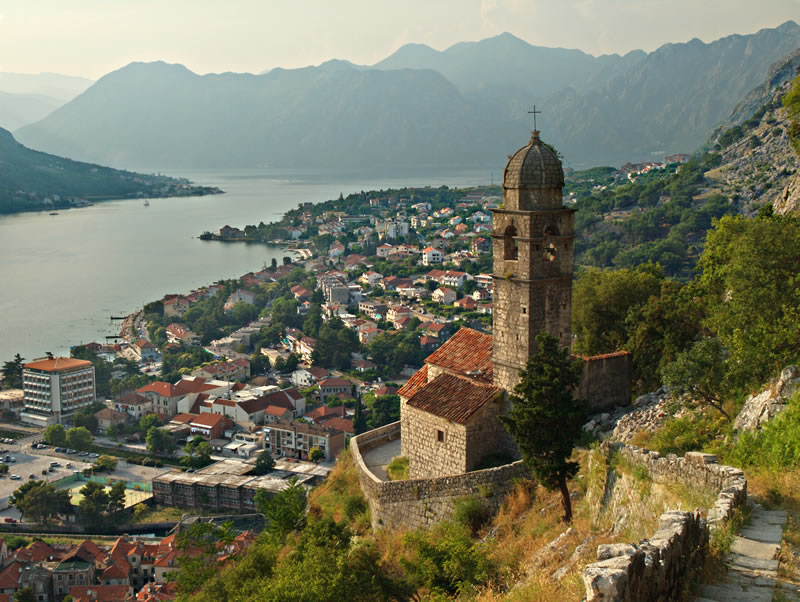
[(762, 407), (647, 413), (789, 199)]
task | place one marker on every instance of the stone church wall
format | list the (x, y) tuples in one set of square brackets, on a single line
[(422, 502), (606, 380), (657, 567)]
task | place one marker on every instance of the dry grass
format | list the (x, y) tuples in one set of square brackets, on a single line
[(340, 496)]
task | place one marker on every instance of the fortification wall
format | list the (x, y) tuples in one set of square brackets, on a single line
[(655, 568), (606, 380), (423, 502)]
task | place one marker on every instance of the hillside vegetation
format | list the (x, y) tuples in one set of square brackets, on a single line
[(31, 181)]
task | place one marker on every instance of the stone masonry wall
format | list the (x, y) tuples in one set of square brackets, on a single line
[(606, 380), (655, 569), (423, 502)]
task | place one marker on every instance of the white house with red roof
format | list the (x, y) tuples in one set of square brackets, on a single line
[(175, 306), (333, 386), (239, 296), (383, 250), (444, 296), (432, 256), (336, 249), (181, 335)]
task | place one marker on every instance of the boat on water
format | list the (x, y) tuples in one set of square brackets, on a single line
[(54, 213), (146, 203)]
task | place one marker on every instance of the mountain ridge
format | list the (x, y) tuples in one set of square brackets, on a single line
[(603, 109)]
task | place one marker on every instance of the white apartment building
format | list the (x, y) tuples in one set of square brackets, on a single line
[(56, 388)]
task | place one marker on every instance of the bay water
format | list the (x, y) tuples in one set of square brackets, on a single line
[(63, 276)]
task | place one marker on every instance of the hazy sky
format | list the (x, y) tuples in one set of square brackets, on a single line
[(93, 37)]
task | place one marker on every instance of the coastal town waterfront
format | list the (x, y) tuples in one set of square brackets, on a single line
[(112, 258)]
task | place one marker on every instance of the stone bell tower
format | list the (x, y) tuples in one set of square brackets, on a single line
[(533, 259)]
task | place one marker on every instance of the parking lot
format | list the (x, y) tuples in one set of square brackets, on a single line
[(34, 461)]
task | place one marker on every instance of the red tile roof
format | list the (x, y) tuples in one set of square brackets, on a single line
[(183, 418), (277, 411), (57, 364), (335, 382), (467, 352), (161, 388), (420, 379), (603, 356), (325, 412), (192, 385), (454, 397), (341, 424), (9, 577), (208, 420), (99, 593)]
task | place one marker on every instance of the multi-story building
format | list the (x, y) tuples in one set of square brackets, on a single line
[(56, 388), (295, 439)]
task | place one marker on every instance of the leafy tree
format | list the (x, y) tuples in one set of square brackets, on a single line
[(315, 454), (56, 435), (701, 371), (12, 372), (749, 286), (264, 463), (791, 100), (603, 300), (3, 468), (385, 410), (284, 511), (25, 595), (88, 421), (41, 501), (148, 421), (79, 437), (116, 499), (546, 419), (159, 441), (198, 453), (94, 503), (104, 462)]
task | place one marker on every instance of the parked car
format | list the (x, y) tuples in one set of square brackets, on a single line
[(12, 459), (83, 453), (14, 477), (54, 463), (94, 455), (61, 450), (71, 451), (44, 471), (8, 519), (31, 476), (69, 464)]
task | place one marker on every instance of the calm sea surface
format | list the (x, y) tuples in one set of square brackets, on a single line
[(63, 276)]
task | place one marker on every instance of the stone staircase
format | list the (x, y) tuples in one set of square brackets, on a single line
[(752, 564)]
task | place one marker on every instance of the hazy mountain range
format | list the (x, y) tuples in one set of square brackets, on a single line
[(25, 98), (462, 107)]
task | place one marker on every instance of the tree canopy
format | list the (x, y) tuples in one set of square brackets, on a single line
[(546, 418)]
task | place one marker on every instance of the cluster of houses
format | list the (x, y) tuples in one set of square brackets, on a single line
[(128, 570)]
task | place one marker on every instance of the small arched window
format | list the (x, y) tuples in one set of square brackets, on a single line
[(510, 249), (550, 244)]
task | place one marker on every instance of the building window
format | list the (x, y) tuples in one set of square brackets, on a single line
[(440, 436), (510, 249)]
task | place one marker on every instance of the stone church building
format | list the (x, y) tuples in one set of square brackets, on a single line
[(449, 409)]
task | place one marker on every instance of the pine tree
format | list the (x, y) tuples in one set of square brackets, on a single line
[(546, 419)]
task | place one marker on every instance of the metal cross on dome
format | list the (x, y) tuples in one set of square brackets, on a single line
[(534, 112)]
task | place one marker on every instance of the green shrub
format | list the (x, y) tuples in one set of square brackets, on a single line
[(687, 433), (354, 505), (471, 513), (776, 445)]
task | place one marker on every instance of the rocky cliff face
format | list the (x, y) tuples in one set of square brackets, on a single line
[(789, 199), (762, 407)]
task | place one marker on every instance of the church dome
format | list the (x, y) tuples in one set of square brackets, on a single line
[(534, 166)]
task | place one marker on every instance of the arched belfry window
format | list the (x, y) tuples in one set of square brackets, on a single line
[(550, 244), (510, 250)]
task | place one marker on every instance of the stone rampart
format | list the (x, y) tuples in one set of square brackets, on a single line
[(656, 568), (422, 502)]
